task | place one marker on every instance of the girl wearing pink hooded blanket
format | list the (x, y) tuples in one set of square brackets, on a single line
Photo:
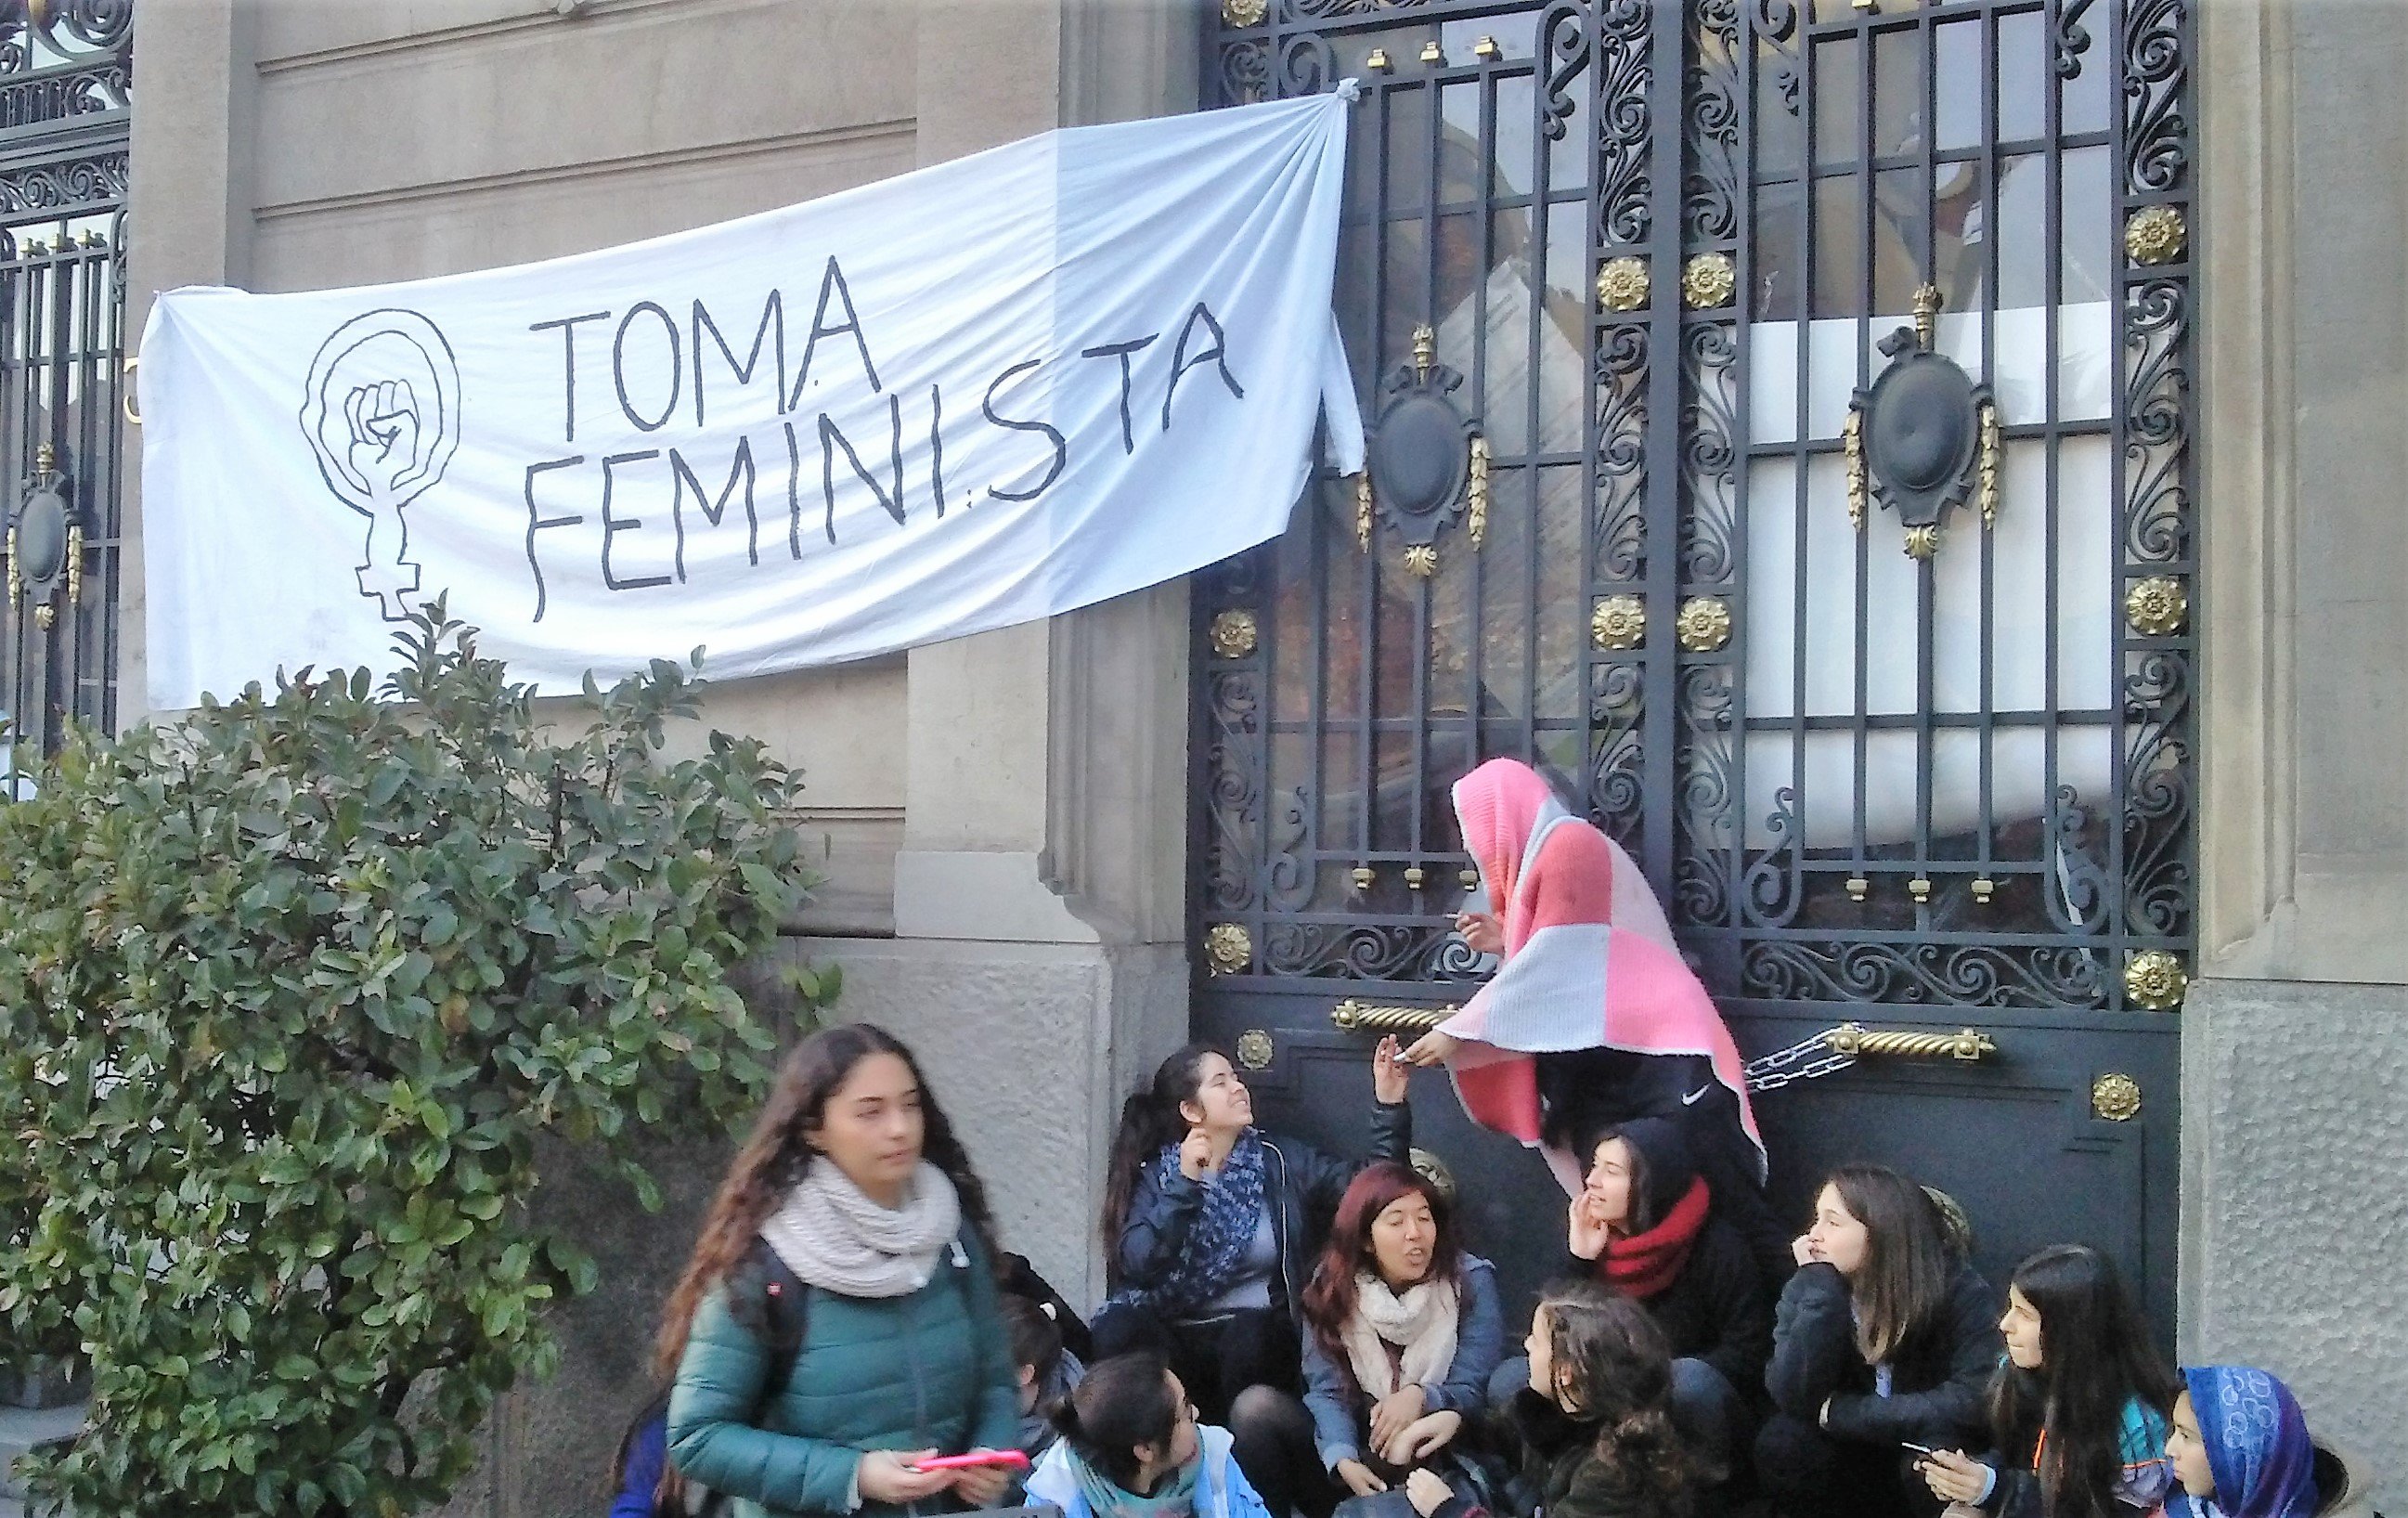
[(1594, 1018)]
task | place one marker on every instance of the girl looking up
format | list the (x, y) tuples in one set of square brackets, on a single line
[(1210, 1230), (1131, 1447)]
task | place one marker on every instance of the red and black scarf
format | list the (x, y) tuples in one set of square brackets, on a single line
[(1648, 1263)]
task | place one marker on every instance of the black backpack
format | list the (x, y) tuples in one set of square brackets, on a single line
[(773, 1301)]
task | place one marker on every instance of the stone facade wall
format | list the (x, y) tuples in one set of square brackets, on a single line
[(2296, 1218), (1001, 820), (2295, 1038)]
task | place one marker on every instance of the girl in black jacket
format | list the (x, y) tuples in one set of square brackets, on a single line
[(1883, 1341), (1210, 1230), (2078, 1410), (1650, 1228)]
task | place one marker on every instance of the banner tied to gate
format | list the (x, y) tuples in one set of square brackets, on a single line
[(970, 396)]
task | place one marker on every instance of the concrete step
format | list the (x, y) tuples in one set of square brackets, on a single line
[(42, 1381), (21, 1429)]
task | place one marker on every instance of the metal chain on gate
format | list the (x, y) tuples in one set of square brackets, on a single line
[(1803, 1061), (1836, 1049)]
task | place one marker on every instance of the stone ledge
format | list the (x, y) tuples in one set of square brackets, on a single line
[(22, 1429), (42, 1381)]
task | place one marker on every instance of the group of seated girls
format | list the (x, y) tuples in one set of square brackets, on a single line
[(839, 1347), (1664, 1375), (1287, 1333)]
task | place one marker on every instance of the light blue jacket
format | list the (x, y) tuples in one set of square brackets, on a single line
[(1221, 1490), (1329, 1389)]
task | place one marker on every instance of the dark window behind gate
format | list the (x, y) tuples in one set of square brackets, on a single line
[(66, 78), (1889, 778)]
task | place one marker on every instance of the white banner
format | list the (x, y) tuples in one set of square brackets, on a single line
[(968, 397)]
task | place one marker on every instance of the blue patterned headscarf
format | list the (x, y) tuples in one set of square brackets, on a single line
[(2257, 1446)]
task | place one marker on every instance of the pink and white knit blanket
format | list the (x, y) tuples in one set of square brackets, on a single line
[(1589, 959)]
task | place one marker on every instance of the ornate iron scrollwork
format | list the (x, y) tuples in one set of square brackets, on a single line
[(1427, 465), (1671, 141), (1924, 438)]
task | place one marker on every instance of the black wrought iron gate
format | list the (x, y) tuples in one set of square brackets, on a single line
[(66, 82), (1890, 696)]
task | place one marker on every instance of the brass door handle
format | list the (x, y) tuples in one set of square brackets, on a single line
[(1351, 1016), (1856, 1041), (1849, 1040)]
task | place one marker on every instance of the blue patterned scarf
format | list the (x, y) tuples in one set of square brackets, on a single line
[(1226, 1224), (1175, 1497), (2257, 1446)]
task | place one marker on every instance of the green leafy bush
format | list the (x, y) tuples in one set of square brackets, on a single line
[(288, 990)]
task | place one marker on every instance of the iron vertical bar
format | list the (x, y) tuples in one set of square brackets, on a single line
[(87, 348), (1742, 73), (1542, 212), (1419, 744), (1476, 644), (12, 617), (1928, 578), (1986, 187), (1865, 217), (115, 417), (1801, 455), (1663, 483), (1367, 628), (2052, 301), (2120, 401)]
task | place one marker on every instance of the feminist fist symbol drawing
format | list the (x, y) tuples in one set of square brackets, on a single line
[(383, 413)]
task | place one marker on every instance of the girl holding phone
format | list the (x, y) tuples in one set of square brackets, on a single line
[(2078, 1410), (837, 1325)]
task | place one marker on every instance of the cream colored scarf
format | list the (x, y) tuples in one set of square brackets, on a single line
[(840, 1240), (1421, 1323)]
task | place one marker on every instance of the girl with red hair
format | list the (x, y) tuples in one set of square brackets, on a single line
[(1402, 1330)]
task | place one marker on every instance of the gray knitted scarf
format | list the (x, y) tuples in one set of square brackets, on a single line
[(837, 1238)]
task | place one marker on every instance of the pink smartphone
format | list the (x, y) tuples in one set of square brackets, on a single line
[(1011, 1459)]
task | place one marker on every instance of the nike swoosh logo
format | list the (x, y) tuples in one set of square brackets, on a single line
[(1694, 1097)]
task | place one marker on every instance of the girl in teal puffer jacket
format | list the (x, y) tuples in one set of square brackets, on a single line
[(838, 1322)]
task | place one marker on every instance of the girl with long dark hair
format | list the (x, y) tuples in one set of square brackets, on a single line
[(1209, 1228), (1593, 1425), (1654, 1231), (2078, 1409), (1132, 1446), (1402, 1331), (1883, 1338), (837, 1323)]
